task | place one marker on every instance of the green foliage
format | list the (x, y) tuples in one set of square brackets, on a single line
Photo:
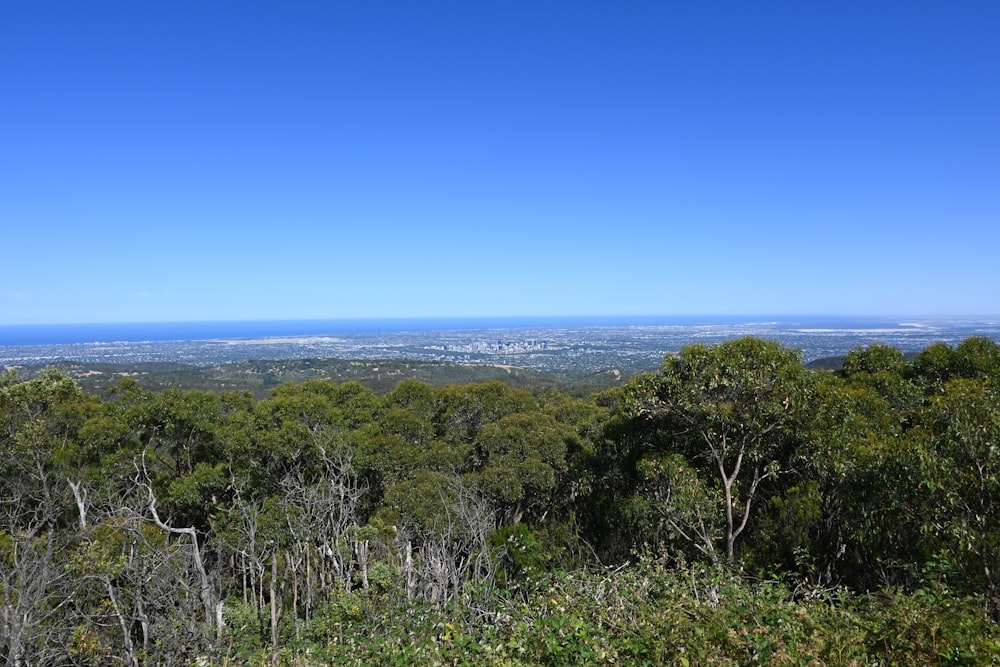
[(790, 523), (732, 409), (978, 358), (483, 525), (647, 614), (683, 508), (194, 497), (961, 428), (872, 360), (246, 630), (522, 550), (883, 369), (931, 626), (520, 461), (464, 410), (421, 502), (418, 398)]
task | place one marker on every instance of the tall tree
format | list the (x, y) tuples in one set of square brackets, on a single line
[(39, 420), (963, 428), (520, 460), (730, 410)]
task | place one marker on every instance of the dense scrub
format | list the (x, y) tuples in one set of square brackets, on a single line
[(733, 508)]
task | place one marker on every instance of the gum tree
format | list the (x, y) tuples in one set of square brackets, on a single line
[(721, 416), (962, 427)]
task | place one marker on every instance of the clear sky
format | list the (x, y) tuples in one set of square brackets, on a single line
[(173, 161)]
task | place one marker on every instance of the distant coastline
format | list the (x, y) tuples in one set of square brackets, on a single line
[(64, 334)]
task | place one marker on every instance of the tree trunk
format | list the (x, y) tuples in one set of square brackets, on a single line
[(275, 611)]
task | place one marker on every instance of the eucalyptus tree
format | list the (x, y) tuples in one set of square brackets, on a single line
[(520, 462), (976, 357), (463, 410), (40, 421), (418, 397), (886, 370), (720, 421), (962, 478), (933, 366), (444, 522), (979, 358), (849, 513)]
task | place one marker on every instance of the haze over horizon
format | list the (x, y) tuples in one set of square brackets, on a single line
[(239, 161)]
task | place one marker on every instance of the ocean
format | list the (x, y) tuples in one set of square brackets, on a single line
[(63, 334)]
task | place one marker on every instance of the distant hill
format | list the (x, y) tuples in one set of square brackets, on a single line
[(827, 363), (259, 377)]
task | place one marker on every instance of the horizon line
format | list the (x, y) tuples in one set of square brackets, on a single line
[(483, 318)]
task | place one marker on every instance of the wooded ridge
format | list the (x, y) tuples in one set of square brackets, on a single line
[(733, 507)]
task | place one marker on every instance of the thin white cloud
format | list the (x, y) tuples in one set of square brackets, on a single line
[(17, 296)]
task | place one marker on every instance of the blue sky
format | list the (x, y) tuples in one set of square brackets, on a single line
[(179, 161)]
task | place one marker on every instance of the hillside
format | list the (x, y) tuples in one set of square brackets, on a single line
[(259, 377)]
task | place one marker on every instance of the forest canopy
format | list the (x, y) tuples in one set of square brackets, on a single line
[(733, 507)]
